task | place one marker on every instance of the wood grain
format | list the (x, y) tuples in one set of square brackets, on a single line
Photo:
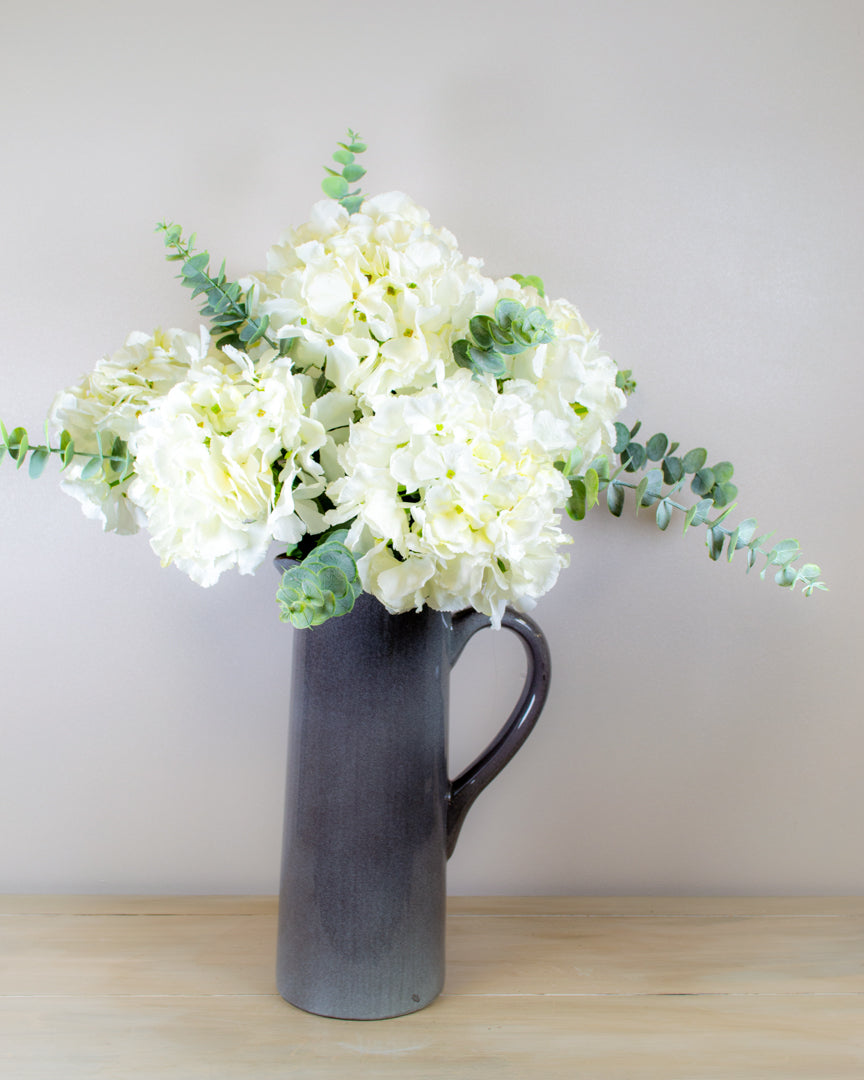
[(166, 987)]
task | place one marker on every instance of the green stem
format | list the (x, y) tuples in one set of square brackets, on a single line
[(186, 252)]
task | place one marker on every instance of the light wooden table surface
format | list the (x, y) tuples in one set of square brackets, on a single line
[(546, 988)]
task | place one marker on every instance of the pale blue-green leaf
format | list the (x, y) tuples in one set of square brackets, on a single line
[(656, 446), (701, 511), (723, 494), (664, 514), (92, 468), (615, 499), (633, 457), (38, 461), (723, 471), (702, 482), (746, 529), (721, 516), (714, 540), (694, 460), (334, 186), (673, 470)]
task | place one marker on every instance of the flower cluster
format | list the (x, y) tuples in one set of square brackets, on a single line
[(354, 411), (400, 421), (454, 498)]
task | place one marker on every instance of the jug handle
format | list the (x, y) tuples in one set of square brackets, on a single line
[(468, 785)]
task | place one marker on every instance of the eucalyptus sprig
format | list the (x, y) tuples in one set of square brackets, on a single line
[(114, 465), (336, 185), (659, 483), (511, 330), (530, 280), (323, 584), (227, 306)]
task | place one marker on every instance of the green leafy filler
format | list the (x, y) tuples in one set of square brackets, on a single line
[(713, 485), (111, 462), (320, 585), (227, 306), (511, 330), (337, 184)]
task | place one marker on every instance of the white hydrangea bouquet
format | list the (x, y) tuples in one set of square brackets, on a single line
[(402, 423)]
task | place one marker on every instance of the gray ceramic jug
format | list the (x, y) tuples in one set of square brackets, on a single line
[(370, 813)]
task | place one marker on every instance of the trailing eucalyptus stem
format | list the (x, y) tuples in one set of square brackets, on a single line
[(656, 488), (227, 306), (115, 463), (336, 185)]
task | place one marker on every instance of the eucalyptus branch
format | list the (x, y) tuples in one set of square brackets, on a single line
[(323, 584), (114, 466), (510, 331), (336, 184), (656, 488), (227, 306)]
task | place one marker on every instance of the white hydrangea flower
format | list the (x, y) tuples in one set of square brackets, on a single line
[(374, 297), (455, 499), (110, 400), (573, 370), (570, 381), (224, 464)]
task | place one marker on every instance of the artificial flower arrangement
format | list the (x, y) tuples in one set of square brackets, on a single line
[(402, 423)]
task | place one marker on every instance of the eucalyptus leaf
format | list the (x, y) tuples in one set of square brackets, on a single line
[(724, 494), (723, 471), (694, 460), (17, 444), (334, 186), (622, 437), (703, 480), (673, 470), (592, 487), (633, 457), (530, 281), (38, 461), (92, 468), (656, 446), (714, 539), (577, 504), (615, 499)]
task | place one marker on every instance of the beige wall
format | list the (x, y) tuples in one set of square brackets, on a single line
[(689, 174)]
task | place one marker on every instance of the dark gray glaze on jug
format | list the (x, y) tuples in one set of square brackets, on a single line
[(370, 813)]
